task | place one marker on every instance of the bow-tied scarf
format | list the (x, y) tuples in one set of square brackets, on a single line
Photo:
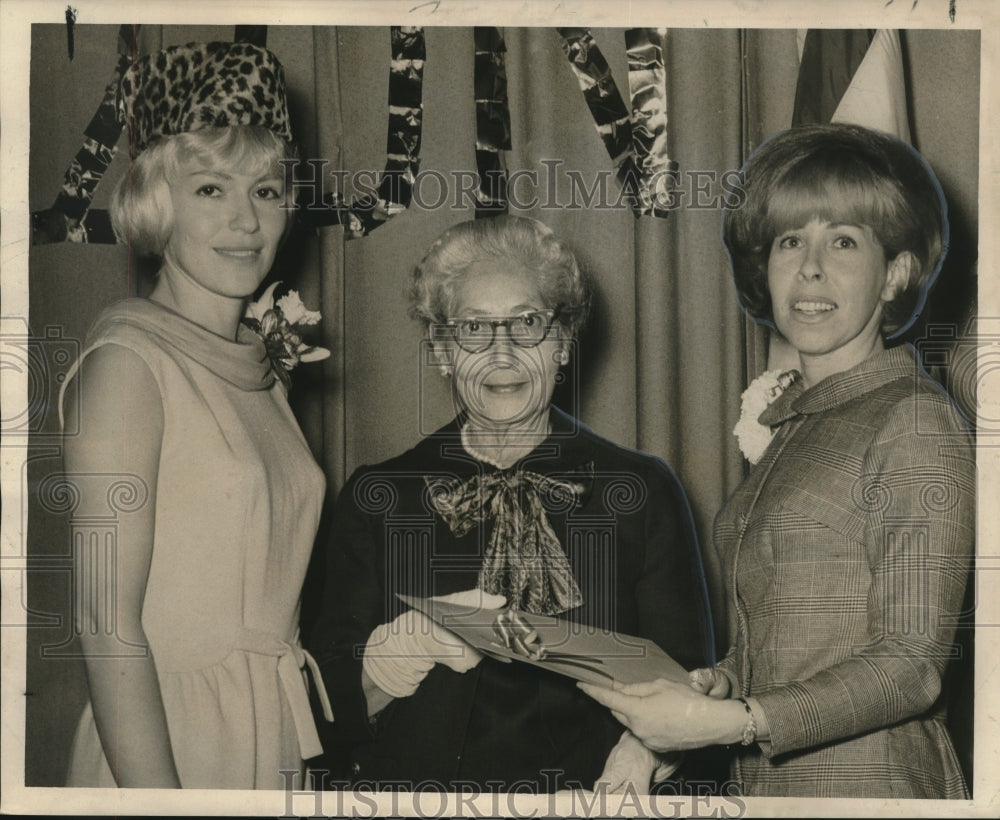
[(524, 559)]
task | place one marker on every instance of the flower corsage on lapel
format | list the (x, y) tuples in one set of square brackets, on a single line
[(751, 434), (280, 325)]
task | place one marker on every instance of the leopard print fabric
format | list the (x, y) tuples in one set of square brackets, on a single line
[(184, 88)]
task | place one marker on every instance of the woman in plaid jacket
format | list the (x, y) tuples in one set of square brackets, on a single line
[(847, 547)]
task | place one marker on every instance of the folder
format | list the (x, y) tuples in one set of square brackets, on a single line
[(586, 653)]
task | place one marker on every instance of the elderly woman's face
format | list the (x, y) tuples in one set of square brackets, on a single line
[(504, 383)]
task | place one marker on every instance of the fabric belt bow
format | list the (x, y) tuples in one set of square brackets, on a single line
[(524, 559), (292, 658)]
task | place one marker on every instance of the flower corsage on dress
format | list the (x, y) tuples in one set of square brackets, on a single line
[(752, 435), (281, 325)]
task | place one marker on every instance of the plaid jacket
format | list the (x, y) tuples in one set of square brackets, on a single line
[(847, 551)]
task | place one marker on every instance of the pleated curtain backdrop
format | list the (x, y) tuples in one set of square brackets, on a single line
[(660, 366), (667, 352)]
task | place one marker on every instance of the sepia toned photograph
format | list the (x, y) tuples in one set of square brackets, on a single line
[(515, 409)]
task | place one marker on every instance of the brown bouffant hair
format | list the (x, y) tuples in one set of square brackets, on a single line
[(844, 174)]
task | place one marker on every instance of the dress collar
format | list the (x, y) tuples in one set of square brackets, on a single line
[(244, 362), (879, 369)]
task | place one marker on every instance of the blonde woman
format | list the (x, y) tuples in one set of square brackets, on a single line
[(179, 397)]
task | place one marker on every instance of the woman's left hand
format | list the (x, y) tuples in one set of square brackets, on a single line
[(669, 716)]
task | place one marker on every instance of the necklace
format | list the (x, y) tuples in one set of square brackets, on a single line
[(500, 450)]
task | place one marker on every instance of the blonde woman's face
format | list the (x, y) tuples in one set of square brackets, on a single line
[(227, 226), (505, 384)]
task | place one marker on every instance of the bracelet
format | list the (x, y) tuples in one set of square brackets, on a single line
[(750, 730)]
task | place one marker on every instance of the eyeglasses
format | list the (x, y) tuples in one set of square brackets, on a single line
[(477, 333)]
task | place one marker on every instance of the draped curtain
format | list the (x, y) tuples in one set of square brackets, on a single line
[(660, 367), (661, 364)]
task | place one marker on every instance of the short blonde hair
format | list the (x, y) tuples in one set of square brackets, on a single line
[(141, 209)]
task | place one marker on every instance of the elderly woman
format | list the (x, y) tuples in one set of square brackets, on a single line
[(848, 544), (502, 300)]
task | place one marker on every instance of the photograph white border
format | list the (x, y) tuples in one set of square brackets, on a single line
[(15, 241)]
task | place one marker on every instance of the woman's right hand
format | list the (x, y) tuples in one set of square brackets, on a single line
[(399, 654), (668, 716), (711, 682)]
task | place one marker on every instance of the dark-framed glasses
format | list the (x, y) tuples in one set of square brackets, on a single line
[(477, 333)]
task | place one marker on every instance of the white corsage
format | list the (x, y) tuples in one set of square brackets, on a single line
[(280, 325), (295, 312), (751, 434)]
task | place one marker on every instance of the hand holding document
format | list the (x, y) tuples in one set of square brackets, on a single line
[(582, 652)]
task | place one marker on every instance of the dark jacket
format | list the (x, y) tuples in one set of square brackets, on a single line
[(633, 550)]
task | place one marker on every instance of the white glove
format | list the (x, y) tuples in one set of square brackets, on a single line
[(711, 682), (399, 655), (668, 763), (631, 762), (628, 762)]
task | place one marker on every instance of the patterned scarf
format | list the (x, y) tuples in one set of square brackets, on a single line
[(524, 559)]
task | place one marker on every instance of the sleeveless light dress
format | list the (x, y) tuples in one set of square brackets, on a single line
[(238, 502)]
